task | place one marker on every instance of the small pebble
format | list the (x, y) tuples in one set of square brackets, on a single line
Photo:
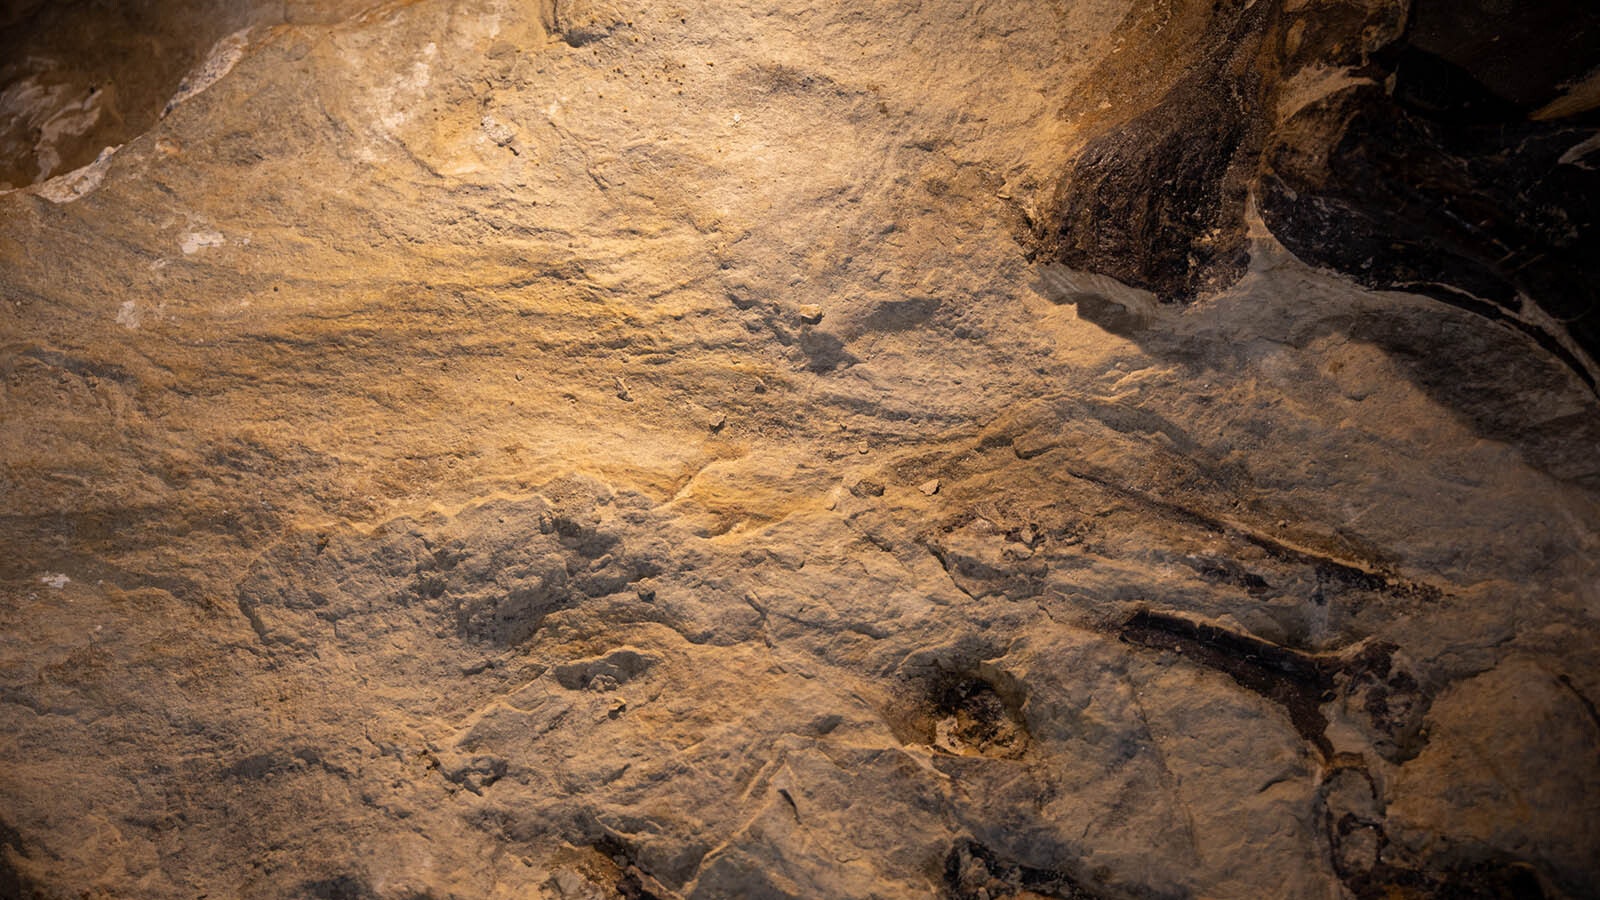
[(929, 487), (866, 488), (810, 313)]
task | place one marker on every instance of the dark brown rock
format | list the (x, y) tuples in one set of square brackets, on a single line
[(1444, 163)]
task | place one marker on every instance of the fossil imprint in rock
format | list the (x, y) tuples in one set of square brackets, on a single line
[(593, 449)]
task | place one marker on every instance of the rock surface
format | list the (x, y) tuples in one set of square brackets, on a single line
[(470, 448), (1410, 144)]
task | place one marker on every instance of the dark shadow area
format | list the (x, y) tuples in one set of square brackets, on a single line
[(11, 884), (1439, 186), (343, 887), (972, 870), (78, 76), (1452, 153)]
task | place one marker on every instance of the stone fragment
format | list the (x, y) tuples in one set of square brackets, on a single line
[(867, 488)]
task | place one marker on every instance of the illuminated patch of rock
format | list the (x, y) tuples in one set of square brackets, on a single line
[(598, 450)]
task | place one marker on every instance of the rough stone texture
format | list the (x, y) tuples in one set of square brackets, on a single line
[(79, 76), (1156, 194), (1432, 183), (1410, 144), (471, 449)]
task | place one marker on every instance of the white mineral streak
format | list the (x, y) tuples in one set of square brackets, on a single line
[(224, 55)]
